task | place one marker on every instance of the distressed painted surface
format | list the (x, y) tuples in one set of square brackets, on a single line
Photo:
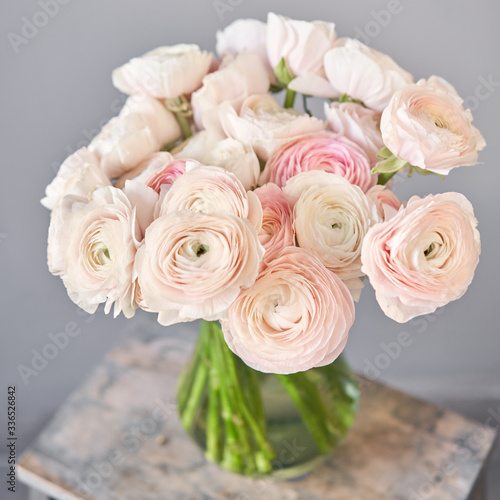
[(118, 438)]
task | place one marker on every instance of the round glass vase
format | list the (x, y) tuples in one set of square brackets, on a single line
[(262, 424)]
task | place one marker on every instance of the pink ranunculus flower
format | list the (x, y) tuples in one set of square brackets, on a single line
[(168, 173), (146, 168), (277, 221), (212, 190), (385, 200), (426, 125), (322, 151), (165, 72), (232, 83), (364, 73), (331, 219), (357, 123), (193, 265), (424, 257), (143, 126), (93, 250), (264, 124), (296, 316)]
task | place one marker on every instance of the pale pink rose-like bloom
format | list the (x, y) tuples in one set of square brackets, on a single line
[(165, 72), (426, 125), (193, 265), (167, 174), (234, 156), (212, 190), (424, 257), (323, 151), (146, 168), (359, 124), (80, 171), (143, 126), (331, 219), (277, 221), (385, 200), (232, 83), (296, 316), (363, 73), (95, 249), (302, 45), (266, 125)]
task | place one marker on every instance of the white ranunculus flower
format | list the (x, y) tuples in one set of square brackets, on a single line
[(363, 73), (296, 316), (212, 190), (165, 72), (243, 35), (79, 174), (426, 125), (230, 154), (193, 265), (331, 218), (357, 123), (232, 83), (266, 125), (143, 127), (95, 248), (301, 44)]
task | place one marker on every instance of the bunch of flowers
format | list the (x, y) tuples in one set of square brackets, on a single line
[(206, 198)]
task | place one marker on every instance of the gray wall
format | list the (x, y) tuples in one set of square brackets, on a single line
[(56, 91)]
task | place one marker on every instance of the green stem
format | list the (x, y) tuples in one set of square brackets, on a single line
[(292, 385), (259, 435), (213, 429), (383, 179), (304, 102), (195, 395), (289, 98), (185, 125)]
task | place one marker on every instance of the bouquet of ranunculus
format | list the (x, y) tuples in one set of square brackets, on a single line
[(209, 198)]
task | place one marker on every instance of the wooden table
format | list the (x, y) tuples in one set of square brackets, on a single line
[(118, 438)]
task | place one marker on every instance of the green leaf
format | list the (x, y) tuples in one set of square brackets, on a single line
[(389, 166), (283, 74), (385, 153)]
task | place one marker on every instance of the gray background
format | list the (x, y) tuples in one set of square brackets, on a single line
[(56, 92)]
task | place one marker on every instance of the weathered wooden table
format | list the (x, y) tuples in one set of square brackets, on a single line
[(118, 438)]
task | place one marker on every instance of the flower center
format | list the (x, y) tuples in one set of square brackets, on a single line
[(201, 250)]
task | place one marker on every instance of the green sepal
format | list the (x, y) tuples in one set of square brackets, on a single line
[(385, 153), (389, 166), (283, 74)]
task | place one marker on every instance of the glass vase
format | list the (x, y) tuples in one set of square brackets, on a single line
[(261, 424)]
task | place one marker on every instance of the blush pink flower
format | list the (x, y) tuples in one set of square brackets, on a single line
[(277, 221), (358, 124), (296, 316), (192, 265), (426, 125), (143, 126), (165, 72), (424, 257), (153, 165), (323, 151), (212, 190), (385, 200)]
